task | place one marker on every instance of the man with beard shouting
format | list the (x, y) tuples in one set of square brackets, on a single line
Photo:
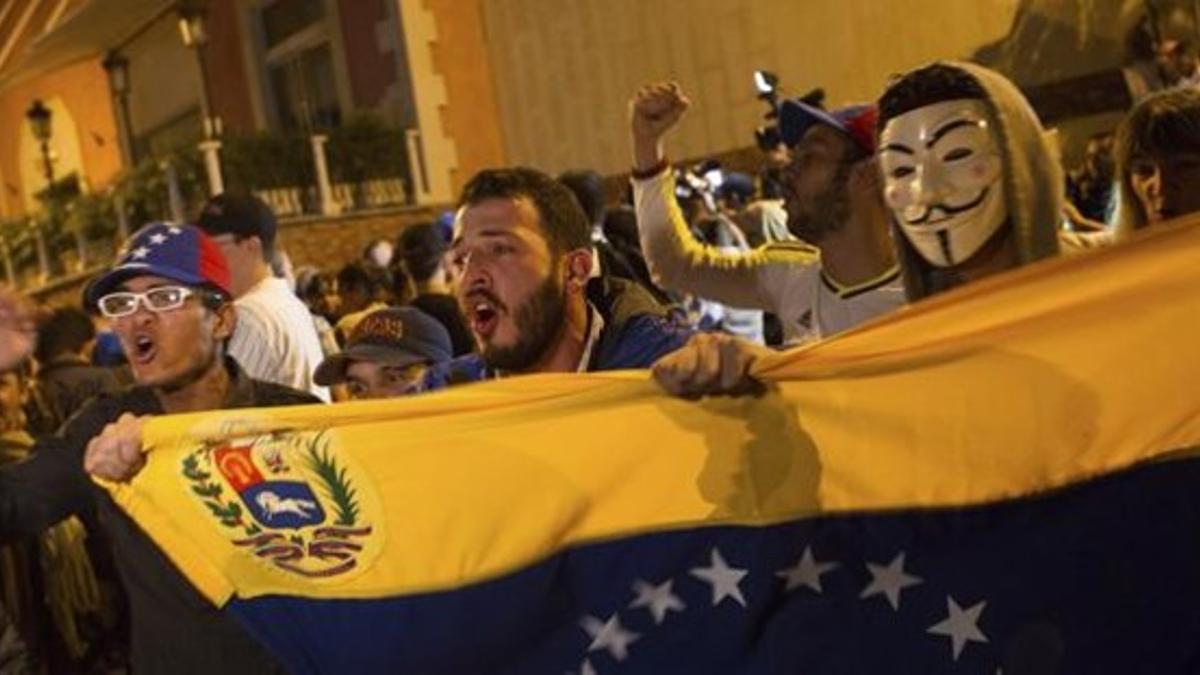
[(845, 273), (521, 259)]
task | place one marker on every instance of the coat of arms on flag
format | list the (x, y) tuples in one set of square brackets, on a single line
[(287, 498)]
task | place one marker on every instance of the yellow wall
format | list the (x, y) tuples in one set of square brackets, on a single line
[(564, 71), (82, 90)]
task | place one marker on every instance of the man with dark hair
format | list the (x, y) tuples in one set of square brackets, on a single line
[(276, 339), (843, 275), (1157, 158), (588, 188), (66, 378), (169, 299), (422, 253), (522, 258), (361, 289)]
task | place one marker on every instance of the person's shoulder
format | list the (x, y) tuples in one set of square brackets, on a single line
[(639, 341), (106, 407), (268, 298), (797, 249)]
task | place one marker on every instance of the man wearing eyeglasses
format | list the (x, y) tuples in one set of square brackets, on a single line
[(387, 354), (169, 302)]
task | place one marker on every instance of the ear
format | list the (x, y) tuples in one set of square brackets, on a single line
[(578, 268), (865, 178), (224, 321)]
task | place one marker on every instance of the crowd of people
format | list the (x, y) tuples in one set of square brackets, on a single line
[(947, 179)]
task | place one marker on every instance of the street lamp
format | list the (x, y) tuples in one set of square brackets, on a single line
[(117, 67), (39, 123), (193, 29), (193, 24)]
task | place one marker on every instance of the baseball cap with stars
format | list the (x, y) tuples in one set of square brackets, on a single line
[(181, 253)]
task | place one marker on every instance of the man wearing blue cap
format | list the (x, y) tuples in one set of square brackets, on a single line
[(845, 273), (169, 301)]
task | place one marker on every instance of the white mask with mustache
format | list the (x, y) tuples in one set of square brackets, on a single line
[(942, 179)]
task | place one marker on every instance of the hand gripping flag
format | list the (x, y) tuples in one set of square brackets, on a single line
[(999, 480)]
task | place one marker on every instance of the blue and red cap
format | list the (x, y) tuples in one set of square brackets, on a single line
[(180, 253), (856, 121)]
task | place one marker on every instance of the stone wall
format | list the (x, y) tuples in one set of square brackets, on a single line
[(326, 243), (329, 243)]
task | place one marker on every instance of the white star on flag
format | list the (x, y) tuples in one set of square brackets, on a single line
[(158, 238), (889, 580), (174, 229), (725, 580), (139, 253), (961, 626), (657, 599), (807, 572), (608, 635)]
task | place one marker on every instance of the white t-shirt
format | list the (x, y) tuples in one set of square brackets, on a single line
[(276, 339), (784, 278)]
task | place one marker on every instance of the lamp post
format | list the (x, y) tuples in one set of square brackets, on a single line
[(117, 67), (39, 117), (193, 29)]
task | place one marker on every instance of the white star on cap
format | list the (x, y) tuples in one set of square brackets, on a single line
[(174, 229), (960, 626), (888, 580), (658, 600), (158, 238), (609, 635), (725, 580), (806, 572), (139, 253)]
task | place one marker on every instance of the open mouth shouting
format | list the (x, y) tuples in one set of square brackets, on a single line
[(143, 349), (483, 313)]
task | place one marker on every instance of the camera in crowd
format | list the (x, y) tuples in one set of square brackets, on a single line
[(767, 137)]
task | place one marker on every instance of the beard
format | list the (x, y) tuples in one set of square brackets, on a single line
[(538, 321), (829, 209)]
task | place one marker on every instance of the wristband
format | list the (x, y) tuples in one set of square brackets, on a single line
[(653, 171)]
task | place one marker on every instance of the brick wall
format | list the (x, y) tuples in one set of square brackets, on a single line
[(326, 243), (329, 243)]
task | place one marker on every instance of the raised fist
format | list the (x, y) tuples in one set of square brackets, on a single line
[(656, 108)]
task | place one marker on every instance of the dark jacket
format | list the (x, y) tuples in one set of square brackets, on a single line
[(61, 389), (638, 330), (175, 629)]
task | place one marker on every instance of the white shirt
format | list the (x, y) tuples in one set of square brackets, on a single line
[(784, 278), (276, 339)]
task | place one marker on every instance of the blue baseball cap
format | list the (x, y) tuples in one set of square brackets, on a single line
[(181, 253), (856, 121), (396, 336)]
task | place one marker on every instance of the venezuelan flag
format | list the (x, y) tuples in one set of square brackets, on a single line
[(1001, 479)]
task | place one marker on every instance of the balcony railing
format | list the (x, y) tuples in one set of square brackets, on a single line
[(365, 167)]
